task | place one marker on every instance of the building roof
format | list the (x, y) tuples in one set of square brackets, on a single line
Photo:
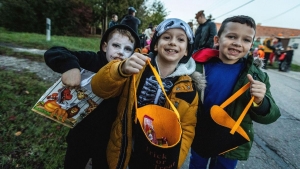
[(266, 31)]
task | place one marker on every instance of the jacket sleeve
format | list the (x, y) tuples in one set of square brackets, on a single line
[(211, 35), (270, 114), (107, 82), (188, 124), (269, 45), (60, 59)]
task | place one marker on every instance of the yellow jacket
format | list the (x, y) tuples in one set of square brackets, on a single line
[(109, 83), (267, 45)]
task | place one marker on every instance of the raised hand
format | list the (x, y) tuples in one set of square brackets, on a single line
[(257, 89), (134, 64)]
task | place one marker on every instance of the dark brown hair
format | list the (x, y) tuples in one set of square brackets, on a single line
[(200, 13), (242, 19)]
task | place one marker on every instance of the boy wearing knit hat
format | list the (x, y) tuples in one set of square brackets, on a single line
[(170, 54)]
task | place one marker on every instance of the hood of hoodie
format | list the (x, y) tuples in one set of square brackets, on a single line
[(185, 68), (120, 26)]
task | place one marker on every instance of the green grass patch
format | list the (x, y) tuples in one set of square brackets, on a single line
[(41, 143), (38, 41)]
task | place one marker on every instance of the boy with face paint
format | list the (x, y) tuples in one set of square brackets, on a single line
[(170, 54), (89, 138), (223, 72)]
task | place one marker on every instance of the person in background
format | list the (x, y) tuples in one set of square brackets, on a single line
[(277, 51), (204, 36), (268, 49), (148, 41), (143, 39), (89, 138), (285, 60), (219, 74), (256, 43), (114, 21), (148, 31), (130, 19), (171, 49), (260, 52)]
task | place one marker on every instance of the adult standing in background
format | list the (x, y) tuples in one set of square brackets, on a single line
[(130, 20), (268, 49), (114, 21), (204, 36), (256, 43)]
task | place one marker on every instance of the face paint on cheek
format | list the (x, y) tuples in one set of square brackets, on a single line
[(127, 54)]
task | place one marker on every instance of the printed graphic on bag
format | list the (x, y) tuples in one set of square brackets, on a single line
[(65, 106)]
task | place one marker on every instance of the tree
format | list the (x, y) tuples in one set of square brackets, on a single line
[(153, 13), (69, 17)]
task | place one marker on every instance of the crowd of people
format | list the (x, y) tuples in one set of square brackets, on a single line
[(271, 51), (198, 72)]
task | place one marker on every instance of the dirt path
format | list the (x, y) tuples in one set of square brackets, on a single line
[(17, 64)]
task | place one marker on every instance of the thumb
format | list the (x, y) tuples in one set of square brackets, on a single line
[(250, 78)]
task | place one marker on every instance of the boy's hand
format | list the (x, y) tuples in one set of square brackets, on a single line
[(257, 89), (134, 64), (71, 78)]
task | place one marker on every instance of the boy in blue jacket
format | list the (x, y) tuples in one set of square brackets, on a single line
[(223, 72), (89, 138)]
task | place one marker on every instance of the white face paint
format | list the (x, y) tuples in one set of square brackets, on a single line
[(118, 47)]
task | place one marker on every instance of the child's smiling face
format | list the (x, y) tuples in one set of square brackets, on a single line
[(118, 47), (172, 45), (235, 42)]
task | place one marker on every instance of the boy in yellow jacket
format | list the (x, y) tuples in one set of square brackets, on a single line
[(170, 49)]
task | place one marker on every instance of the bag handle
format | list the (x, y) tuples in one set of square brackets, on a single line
[(161, 86), (231, 99)]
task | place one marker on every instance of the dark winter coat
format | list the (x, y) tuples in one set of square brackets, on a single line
[(204, 36), (131, 21), (112, 23)]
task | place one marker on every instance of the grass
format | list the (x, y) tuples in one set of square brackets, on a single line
[(27, 139), (38, 41), (10, 52), (294, 67)]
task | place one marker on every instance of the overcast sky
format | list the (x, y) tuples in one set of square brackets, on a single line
[(276, 13)]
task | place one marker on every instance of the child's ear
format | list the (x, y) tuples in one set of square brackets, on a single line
[(216, 40), (104, 46)]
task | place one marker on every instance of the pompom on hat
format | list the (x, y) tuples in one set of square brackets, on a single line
[(171, 24)]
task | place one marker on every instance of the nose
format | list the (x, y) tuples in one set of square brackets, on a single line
[(121, 52), (172, 42), (237, 44)]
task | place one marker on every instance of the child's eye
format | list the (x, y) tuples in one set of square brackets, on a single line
[(231, 37), (166, 37), (181, 39), (115, 45), (247, 40), (128, 49)]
